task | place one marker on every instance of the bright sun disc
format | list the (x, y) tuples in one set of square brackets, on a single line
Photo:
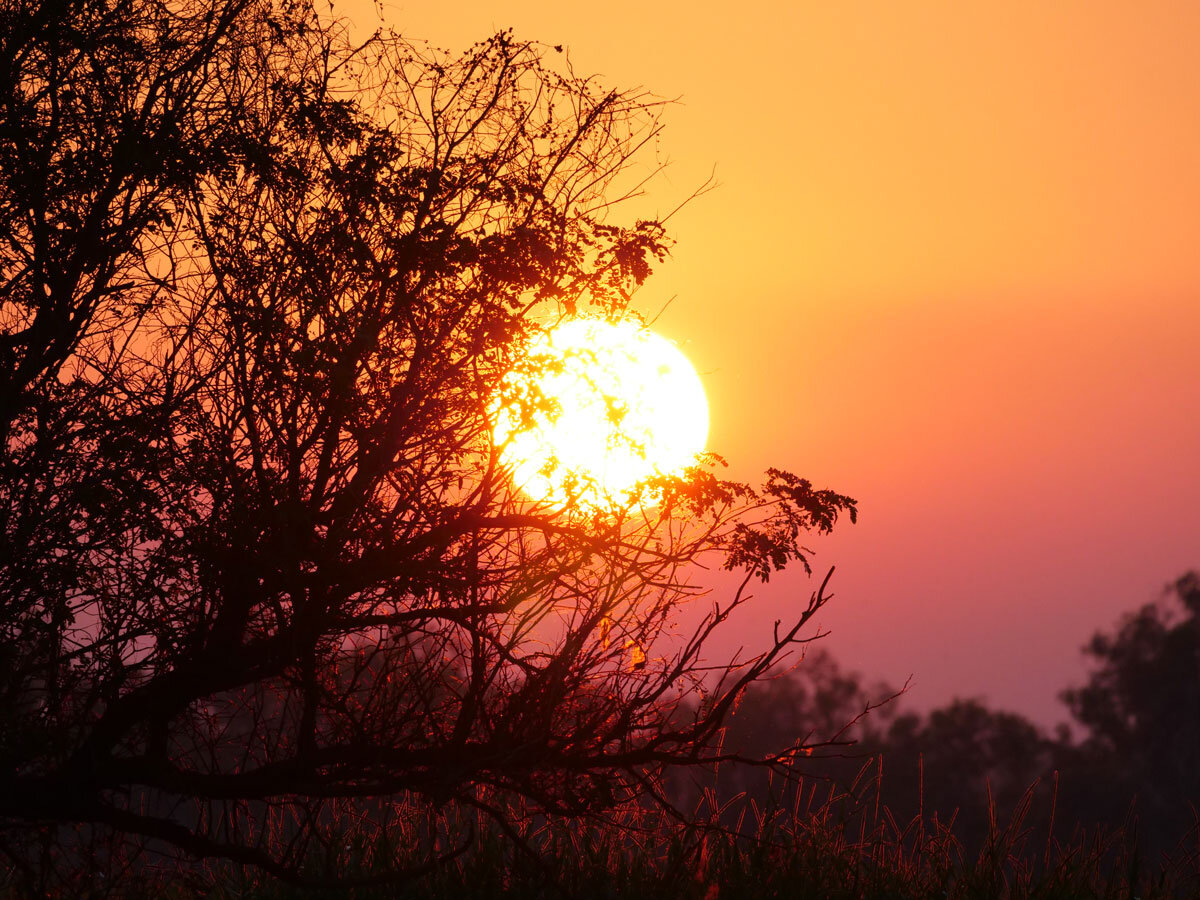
[(595, 407)]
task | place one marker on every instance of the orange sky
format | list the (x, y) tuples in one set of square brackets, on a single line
[(951, 270)]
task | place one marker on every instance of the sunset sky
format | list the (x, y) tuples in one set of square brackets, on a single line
[(951, 269)]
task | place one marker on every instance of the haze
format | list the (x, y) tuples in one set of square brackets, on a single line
[(951, 270)]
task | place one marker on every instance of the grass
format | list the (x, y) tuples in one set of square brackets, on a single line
[(841, 851)]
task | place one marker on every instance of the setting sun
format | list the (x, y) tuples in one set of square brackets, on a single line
[(595, 407)]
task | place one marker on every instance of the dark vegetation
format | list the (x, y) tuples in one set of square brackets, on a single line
[(1127, 765), (261, 565), (270, 612)]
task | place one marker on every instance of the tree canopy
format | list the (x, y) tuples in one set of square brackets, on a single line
[(1128, 766), (1140, 708), (258, 556)]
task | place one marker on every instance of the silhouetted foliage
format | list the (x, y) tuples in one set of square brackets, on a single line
[(817, 704), (971, 768), (964, 764), (1141, 709), (258, 557)]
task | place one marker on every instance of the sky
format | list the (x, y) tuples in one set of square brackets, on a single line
[(951, 270)]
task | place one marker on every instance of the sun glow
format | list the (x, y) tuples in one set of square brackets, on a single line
[(594, 408)]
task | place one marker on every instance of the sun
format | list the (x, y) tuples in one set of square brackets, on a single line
[(593, 408)]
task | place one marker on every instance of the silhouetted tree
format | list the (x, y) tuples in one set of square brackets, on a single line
[(962, 768), (967, 765), (956, 765), (258, 556), (1141, 709), (817, 699), (816, 704)]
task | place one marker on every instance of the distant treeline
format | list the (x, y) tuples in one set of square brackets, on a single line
[(1132, 762)]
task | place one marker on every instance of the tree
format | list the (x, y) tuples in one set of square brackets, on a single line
[(1132, 774), (968, 766), (1141, 709), (958, 764), (817, 705), (260, 559)]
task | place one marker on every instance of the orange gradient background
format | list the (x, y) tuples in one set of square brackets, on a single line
[(952, 269)]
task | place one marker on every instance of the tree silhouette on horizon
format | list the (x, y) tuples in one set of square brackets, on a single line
[(259, 561), (1127, 766)]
